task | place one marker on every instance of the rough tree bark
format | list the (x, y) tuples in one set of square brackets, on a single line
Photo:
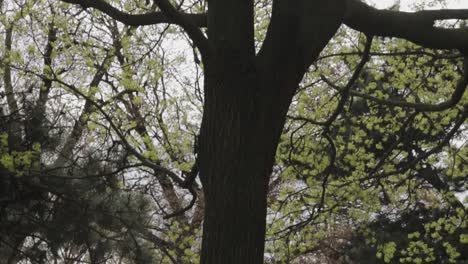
[(247, 96), (246, 100)]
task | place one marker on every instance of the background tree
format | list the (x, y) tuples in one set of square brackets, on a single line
[(107, 125), (62, 167)]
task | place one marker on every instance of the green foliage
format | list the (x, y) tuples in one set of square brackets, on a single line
[(420, 236), (380, 175), (363, 189)]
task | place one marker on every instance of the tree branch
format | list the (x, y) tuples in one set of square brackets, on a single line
[(455, 98), (66, 152), (145, 161), (417, 27), (199, 20), (346, 91), (303, 28), (199, 39), (14, 131), (463, 115)]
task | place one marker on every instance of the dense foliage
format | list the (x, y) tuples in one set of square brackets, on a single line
[(98, 141)]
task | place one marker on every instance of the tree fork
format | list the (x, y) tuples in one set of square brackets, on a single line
[(246, 100)]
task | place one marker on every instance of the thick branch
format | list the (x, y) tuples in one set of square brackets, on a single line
[(35, 131), (187, 24), (140, 19), (135, 114), (66, 152), (303, 29), (14, 133), (12, 104), (417, 27)]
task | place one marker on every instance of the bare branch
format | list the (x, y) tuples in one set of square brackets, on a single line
[(14, 134), (145, 161), (12, 104), (199, 39), (66, 151), (345, 92), (152, 18)]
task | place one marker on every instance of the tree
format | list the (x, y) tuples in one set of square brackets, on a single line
[(247, 94), (62, 197)]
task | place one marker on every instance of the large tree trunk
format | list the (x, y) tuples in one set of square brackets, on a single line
[(238, 146), (246, 100), (236, 150)]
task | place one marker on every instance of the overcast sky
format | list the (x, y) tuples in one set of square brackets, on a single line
[(405, 4)]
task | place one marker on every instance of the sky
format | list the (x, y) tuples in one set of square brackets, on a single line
[(405, 4)]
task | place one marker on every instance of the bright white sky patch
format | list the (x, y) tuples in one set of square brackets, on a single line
[(407, 4)]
